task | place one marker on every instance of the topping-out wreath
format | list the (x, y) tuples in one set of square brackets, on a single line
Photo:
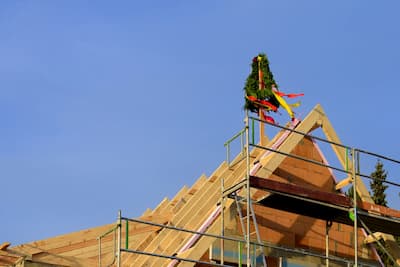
[(262, 92)]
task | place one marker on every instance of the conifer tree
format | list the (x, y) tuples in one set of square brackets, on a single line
[(378, 188), (378, 185)]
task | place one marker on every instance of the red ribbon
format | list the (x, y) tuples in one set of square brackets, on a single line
[(289, 95)]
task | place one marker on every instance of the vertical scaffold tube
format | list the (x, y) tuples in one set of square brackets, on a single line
[(222, 220), (354, 155), (240, 254), (127, 234), (119, 240), (327, 228), (248, 189), (242, 142)]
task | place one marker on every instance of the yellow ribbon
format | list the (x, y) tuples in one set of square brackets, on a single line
[(283, 103)]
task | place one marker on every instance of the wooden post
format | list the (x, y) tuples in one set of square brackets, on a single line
[(262, 128), (260, 110)]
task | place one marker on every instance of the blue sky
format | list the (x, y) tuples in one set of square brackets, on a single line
[(108, 106)]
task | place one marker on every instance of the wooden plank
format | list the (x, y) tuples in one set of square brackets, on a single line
[(343, 183), (8, 258), (63, 260), (5, 245), (377, 209), (263, 136), (291, 189), (373, 237)]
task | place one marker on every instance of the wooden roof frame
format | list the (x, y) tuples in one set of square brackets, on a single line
[(318, 119), (195, 197), (271, 161)]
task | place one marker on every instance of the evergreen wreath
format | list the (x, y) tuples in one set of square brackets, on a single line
[(252, 87)]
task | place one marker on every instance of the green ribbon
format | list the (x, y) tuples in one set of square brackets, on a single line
[(351, 215)]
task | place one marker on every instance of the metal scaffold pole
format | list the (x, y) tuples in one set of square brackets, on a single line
[(354, 161), (222, 220), (328, 226), (119, 239), (248, 189)]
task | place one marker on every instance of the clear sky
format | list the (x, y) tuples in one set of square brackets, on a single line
[(108, 105)]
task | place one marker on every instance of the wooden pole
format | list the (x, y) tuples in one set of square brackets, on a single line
[(260, 110)]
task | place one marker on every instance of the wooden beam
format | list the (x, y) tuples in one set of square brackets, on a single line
[(5, 245), (263, 136), (380, 210), (62, 260), (10, 259), (291, 189), (343, 183), (326, 197), (372, 238)]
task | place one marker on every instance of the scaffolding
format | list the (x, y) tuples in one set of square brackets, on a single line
[(242, 191), (354, 174)]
